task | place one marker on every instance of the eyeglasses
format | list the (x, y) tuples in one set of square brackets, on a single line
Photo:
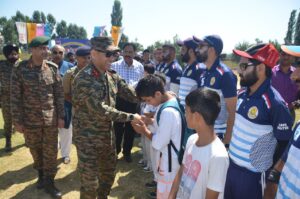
[(244, 66), (59, 52), (108, 53)]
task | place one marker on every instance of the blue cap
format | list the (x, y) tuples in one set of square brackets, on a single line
[(213, 40), (189, 42), (83, 51)]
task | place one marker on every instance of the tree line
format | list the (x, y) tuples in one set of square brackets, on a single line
[(62, 29)]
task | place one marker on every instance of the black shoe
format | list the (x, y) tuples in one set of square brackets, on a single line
[(40, 181), (128, 158), (8, 144), (152, 194), (51, 189), (151, 184)]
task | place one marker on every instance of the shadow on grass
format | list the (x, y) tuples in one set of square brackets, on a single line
[(65, 185), (3, 153), (10, 178), (127, 187)]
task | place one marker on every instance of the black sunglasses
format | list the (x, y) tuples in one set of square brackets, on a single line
[(244, 66), (59, 52), (108, 53)]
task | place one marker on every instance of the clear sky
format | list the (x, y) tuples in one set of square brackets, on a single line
[(153, 20)]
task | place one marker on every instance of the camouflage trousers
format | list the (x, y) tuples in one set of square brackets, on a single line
[(42, 143), (96, 164), (6, 112)]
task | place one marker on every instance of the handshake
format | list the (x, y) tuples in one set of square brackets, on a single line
[(140, 122)]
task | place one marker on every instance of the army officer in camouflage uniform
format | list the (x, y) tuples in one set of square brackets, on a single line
[(94, 96), (37, 104), (11, 53)]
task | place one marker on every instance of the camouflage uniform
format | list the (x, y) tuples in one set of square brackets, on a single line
[(94, 97), (68, 79), (37, 102), (5, 75)]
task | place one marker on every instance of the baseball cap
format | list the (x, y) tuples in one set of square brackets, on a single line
[(39, 41), (263, 53), (189, 42), (213, 40), (291, 50)]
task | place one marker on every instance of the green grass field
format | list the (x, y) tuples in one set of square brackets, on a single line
[(17, 177)]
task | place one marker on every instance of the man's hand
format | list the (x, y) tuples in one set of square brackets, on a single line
[(139, 127), (60, 123), (147, 120), (270, 191), (137, 119), (19, 128)]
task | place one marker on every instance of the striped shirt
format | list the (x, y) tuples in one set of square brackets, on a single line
[(189, 80), (260, 120), (131, 74)]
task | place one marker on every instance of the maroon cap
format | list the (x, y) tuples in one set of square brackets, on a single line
[(264, 53)]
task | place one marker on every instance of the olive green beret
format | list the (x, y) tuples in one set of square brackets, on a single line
[(39, 41)]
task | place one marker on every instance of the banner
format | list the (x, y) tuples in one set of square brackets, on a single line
[(72, 43), (40, 29), (22, 32), (31, 31), (47, 30), (115, 31), (98, 31)]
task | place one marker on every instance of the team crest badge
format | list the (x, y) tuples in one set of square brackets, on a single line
[(297, 134), (212, 81), (189, 73), (253, 112)]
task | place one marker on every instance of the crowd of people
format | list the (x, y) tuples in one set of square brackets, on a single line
[(201, 136)]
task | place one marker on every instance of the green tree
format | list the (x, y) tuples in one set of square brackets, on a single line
[(62, 29), (117, 14), (51, 21), (258, 41), (19, 17), (36, 17), (9, 32), (297, 31), (43, 18), (291, 27), (82, 33), (240, 46), (275, 43)]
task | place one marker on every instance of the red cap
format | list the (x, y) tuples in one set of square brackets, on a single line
[(264, 53)]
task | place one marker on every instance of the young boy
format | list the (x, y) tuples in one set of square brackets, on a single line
[(151, 90), (205, 161)]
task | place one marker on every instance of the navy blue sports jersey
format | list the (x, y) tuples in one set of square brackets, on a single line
[(222, 80), (260, 120)]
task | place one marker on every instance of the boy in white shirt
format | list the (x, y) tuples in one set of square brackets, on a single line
[(205, 161), (151, 90)]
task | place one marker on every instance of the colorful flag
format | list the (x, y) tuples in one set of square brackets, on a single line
[(40, 29), (115, 32), (31, 31), (21, 28), (47, 30), (98, 31)]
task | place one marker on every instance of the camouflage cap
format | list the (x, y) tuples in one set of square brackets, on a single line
[(39, 41), (103, 44)]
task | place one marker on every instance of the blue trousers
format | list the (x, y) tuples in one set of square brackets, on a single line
[(242, 183)]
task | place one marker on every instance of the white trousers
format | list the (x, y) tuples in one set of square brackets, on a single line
[(65, 140)]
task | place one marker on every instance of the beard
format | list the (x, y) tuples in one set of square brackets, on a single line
[(166, 58), (250, 80), (12, 60), (202, 57), (185, 58)]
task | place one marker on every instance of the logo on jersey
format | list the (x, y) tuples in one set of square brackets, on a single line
[(253, 112), (212, 81), (166, 71), (189, 73)]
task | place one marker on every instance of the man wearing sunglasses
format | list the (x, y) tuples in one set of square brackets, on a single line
[(58, 54), (131, 71), (220, 78), (282, 82), (94, 93), (262, 127), (37, 106)]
